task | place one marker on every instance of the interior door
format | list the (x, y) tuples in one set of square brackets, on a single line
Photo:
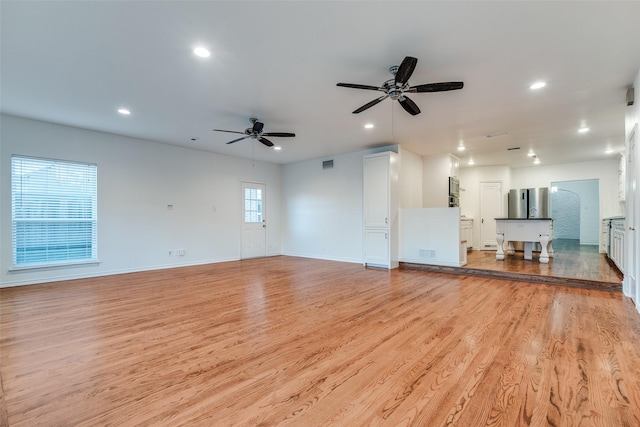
[(254, 225), (490, 209), (633, 236)]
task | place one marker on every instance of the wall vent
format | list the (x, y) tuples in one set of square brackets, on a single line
[(327, 164), (427, 253), (630, 96)]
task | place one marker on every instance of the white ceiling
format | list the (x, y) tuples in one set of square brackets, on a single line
[(76, 62)]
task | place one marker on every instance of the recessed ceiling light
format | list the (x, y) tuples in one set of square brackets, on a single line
[(583, 129), (277, 147), (194, 138), (531, 154), (124, 111), (471, 162), (202, 52), (536, 161), (609, 151), (368, 126), (537, 85), (461, 148)]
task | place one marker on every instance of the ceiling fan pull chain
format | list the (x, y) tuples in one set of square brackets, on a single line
[(392, 123)]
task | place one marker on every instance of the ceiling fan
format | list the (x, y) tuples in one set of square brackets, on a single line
[(396, 87), (255, 132)]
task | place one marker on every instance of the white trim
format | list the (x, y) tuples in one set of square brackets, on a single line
[(109, 273), (436, 262)]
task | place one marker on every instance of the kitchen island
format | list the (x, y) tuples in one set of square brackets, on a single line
[(527, 230)]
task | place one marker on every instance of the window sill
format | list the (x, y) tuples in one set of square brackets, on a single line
[(20, 269)]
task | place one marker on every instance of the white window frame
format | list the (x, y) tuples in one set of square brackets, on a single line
[(54, 213)]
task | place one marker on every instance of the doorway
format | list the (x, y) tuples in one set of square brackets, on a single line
[(490, 209), (254, 222), (575, 209)]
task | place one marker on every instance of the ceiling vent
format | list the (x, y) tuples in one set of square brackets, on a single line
[(499, 133), (513, 148), (327, 164)]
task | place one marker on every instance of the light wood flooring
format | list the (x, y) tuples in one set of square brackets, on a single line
[(572, 265), (303, 342)]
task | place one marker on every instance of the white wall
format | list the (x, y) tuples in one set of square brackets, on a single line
[(137, 179), (430, 236), (436, 171), (410, 179), (606, 171), (322, 211), (470, 179)]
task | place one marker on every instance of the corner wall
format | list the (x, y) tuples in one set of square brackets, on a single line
[(137, 179)]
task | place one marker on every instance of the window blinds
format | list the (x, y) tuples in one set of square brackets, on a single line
[(53, 212)]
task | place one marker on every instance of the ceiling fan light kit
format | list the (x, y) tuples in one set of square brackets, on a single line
[(396, 87)]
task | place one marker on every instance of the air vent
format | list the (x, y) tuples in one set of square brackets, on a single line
[(499, 133), (630, 96), (427, 253), (327, 164), (513, 148)]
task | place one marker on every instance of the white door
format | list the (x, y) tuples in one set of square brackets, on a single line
[(254, 225), (490, 209), (633, 236)]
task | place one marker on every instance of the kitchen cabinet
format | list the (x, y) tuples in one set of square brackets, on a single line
[(617, 243), (604, 237), (380, 182), (466, 231)]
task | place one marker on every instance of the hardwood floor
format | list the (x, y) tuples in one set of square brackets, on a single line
[(293, 341), (573, 265)]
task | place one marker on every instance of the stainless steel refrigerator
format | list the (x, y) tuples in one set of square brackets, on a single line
[(529, 203)]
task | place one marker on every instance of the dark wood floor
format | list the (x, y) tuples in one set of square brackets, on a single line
[(302, 342), (572, 265)]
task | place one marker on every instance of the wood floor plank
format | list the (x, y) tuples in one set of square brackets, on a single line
[(293, 341)]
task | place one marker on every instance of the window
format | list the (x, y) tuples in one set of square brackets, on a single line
[(53, 212), (252, 205)]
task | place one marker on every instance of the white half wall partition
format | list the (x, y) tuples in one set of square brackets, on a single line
[(430, 236)]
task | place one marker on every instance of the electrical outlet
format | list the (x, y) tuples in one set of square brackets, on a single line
[(180, 252)]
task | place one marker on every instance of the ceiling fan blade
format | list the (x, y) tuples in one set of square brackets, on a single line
[(239, 139), (265, 141), (280, 134), (230, 131), (406, 69), (370, 104), (357, 86), (257, 126), (436, 87), (409, 105)]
